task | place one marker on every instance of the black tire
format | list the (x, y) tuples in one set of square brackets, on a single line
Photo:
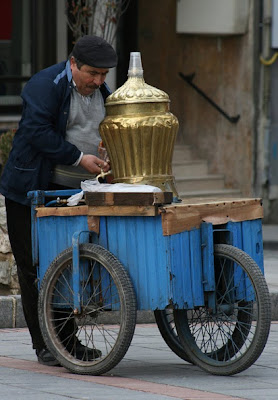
[(230, 338), (167, 328), (166, 324), (108, 310)]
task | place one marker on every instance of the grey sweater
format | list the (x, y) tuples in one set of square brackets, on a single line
[(85, 115)]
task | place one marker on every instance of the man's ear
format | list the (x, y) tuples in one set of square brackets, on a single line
[(72, 61)]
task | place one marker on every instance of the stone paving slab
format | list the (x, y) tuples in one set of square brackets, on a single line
[(149, 371)]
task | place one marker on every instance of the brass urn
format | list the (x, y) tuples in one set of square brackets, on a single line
[(139, 132)]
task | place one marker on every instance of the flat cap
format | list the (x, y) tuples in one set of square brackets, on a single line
[(95, 51)]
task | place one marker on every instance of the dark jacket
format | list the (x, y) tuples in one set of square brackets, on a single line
[(39, 143)]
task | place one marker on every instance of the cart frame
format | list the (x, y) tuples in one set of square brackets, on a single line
[(167, 265)]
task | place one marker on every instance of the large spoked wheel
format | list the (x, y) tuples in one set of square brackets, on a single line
[(94, 338), (228, 338), (167, 328)]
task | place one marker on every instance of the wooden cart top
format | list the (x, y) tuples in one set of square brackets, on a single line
[(175, 217), (192, 212)]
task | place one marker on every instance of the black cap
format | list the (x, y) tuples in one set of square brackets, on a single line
[(95, 51)]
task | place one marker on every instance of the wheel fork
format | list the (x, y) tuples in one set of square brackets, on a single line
[(76, 270)]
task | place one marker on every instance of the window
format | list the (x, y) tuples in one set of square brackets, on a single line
[(15, 52)]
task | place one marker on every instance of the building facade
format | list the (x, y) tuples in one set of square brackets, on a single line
[(215, 63)]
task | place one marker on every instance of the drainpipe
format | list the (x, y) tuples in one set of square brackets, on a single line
[(261, 159)]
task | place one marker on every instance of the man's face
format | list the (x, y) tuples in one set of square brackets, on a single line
[(87, 78)]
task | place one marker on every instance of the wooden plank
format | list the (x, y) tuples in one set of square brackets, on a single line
[(211, 201), (93, 223), (127, 199), (176, 222), (61, 211), (188, 215), (142, 211), (241, 213)]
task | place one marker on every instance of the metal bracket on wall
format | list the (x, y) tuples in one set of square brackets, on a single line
[(189, 80)]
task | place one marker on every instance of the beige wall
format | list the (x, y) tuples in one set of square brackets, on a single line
[(224, 71)]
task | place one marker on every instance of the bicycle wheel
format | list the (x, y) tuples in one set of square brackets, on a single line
[(228, 338), (95, 338), (167, 328), (166, 324)]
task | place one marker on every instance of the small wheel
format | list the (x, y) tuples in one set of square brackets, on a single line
[(228, 338), (95, 338), (167, 328)]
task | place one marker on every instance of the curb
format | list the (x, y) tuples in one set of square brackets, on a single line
[(11, 312), (274, 306), (271, 245)]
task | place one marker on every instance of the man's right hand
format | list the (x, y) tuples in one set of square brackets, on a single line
[(93, 164)]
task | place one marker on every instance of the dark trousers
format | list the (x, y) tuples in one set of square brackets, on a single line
[(19, 230)]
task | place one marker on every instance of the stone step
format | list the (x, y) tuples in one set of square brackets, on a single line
[(189, 168), (182, 153), (192, 177), (204, 182), (222, 193)]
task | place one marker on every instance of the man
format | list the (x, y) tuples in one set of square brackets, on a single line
[(54, 147)]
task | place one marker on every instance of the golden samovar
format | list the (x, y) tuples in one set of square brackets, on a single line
[(139, 132)]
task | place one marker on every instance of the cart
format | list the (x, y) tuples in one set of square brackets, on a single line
[(198, 265)]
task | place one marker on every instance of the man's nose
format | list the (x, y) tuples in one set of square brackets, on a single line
[(98, 80)]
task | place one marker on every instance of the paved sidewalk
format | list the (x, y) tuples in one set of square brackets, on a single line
[(149, 371)]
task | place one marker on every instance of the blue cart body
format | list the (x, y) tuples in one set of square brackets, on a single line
[(176, 269)]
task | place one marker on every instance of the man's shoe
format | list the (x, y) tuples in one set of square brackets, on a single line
[(46, 358), (84, 353)]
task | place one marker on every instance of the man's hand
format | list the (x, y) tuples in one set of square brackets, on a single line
[(93, 164)]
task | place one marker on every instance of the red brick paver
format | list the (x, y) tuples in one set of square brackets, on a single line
[(176, 392)]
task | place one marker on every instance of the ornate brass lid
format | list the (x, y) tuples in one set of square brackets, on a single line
[(135, 90)]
